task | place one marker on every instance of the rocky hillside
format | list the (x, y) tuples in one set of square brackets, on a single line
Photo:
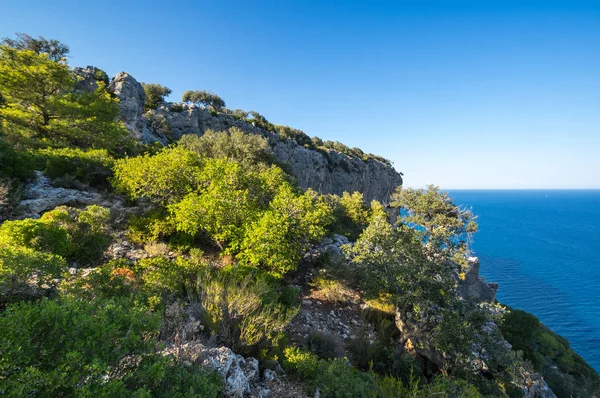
[(323, 171)]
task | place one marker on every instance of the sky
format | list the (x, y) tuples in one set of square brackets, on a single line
[(474, 95)]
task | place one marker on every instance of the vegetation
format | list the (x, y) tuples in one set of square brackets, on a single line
[(224, 241), (155, 95), (204, 98)]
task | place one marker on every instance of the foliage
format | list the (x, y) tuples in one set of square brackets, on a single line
[(235, 309), (54, 347), (17, 266), (53, 49), (322, 344), (249, 150), (299, 136), (334, 378), (155, 95), (445, 227), (205, 98), (351, 214), (279, 237), (76, 235), (42, 109), (162, 178), (93, 166), (566, 373), (15, 164)]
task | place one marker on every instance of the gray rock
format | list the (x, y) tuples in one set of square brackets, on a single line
[(40, 196), (323, 171), (132, 98), (240, 375), (86, 79), (473, 287)]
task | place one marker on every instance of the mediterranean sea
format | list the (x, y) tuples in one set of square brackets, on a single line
[(543, 249)]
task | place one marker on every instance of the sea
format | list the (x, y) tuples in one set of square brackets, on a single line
[(543, 249)]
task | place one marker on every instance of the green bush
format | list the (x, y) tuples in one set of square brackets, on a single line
[(38, 235), (237, 309), (18, 265), (334, 378), (322, 344), (93, 166), (162, 178), (54, 347), (251, 151), (15, 164)]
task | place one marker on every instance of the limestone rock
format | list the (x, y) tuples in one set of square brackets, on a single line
[(87, 78), (240, 375), (472, 287), (40, 196), (132, 99)]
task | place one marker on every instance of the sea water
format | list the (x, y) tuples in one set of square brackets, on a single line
[(543, 249)]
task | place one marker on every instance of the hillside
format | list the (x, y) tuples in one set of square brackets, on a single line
[(156, 249)]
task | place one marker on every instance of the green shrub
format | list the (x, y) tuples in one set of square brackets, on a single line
[(334, 378), (15, 164), (251, 151), (93, 166), (36, 234), (322, 344), (86, 231), (18, 265), (54, 347), (236, 311), (162, 178)]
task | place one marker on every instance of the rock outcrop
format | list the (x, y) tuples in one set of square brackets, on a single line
[(323, 171), (473, 287), (131, 102), (40, 196)]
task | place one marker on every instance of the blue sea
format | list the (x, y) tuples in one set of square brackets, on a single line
[(543, 249)]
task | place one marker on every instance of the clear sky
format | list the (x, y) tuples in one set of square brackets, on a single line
[(481, 94)]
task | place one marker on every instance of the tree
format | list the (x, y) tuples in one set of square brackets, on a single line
[(55, 50), (252, 151), (444, 226), (155, 94), (205, 98), (42, 109)]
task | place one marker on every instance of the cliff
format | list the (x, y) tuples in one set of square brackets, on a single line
[(326, 171)]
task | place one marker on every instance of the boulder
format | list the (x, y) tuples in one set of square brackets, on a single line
[(240, 375)]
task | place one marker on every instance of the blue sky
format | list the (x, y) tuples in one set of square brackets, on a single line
[(480, 94)]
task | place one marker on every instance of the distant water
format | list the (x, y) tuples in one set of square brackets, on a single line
[(543, 249)]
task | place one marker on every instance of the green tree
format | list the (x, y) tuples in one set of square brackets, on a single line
[(155, 95), (205, 98), (250, 150), (55, 50), (444, 226), (42, 109)]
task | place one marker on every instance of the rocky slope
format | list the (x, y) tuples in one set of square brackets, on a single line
[(324, 172)]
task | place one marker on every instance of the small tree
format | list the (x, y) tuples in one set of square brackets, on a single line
[(204, 98), (444, 226), (155, 94), (55, 50)]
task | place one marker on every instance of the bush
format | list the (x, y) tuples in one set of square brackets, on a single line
[(333, 291), (322, 344), (93, 167), (236, 310), (15, 164), (334, 378), (55, 347), (163, 178), (251, 151), (20, 267)]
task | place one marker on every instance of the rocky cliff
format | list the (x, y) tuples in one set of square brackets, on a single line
[(324, 171)]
